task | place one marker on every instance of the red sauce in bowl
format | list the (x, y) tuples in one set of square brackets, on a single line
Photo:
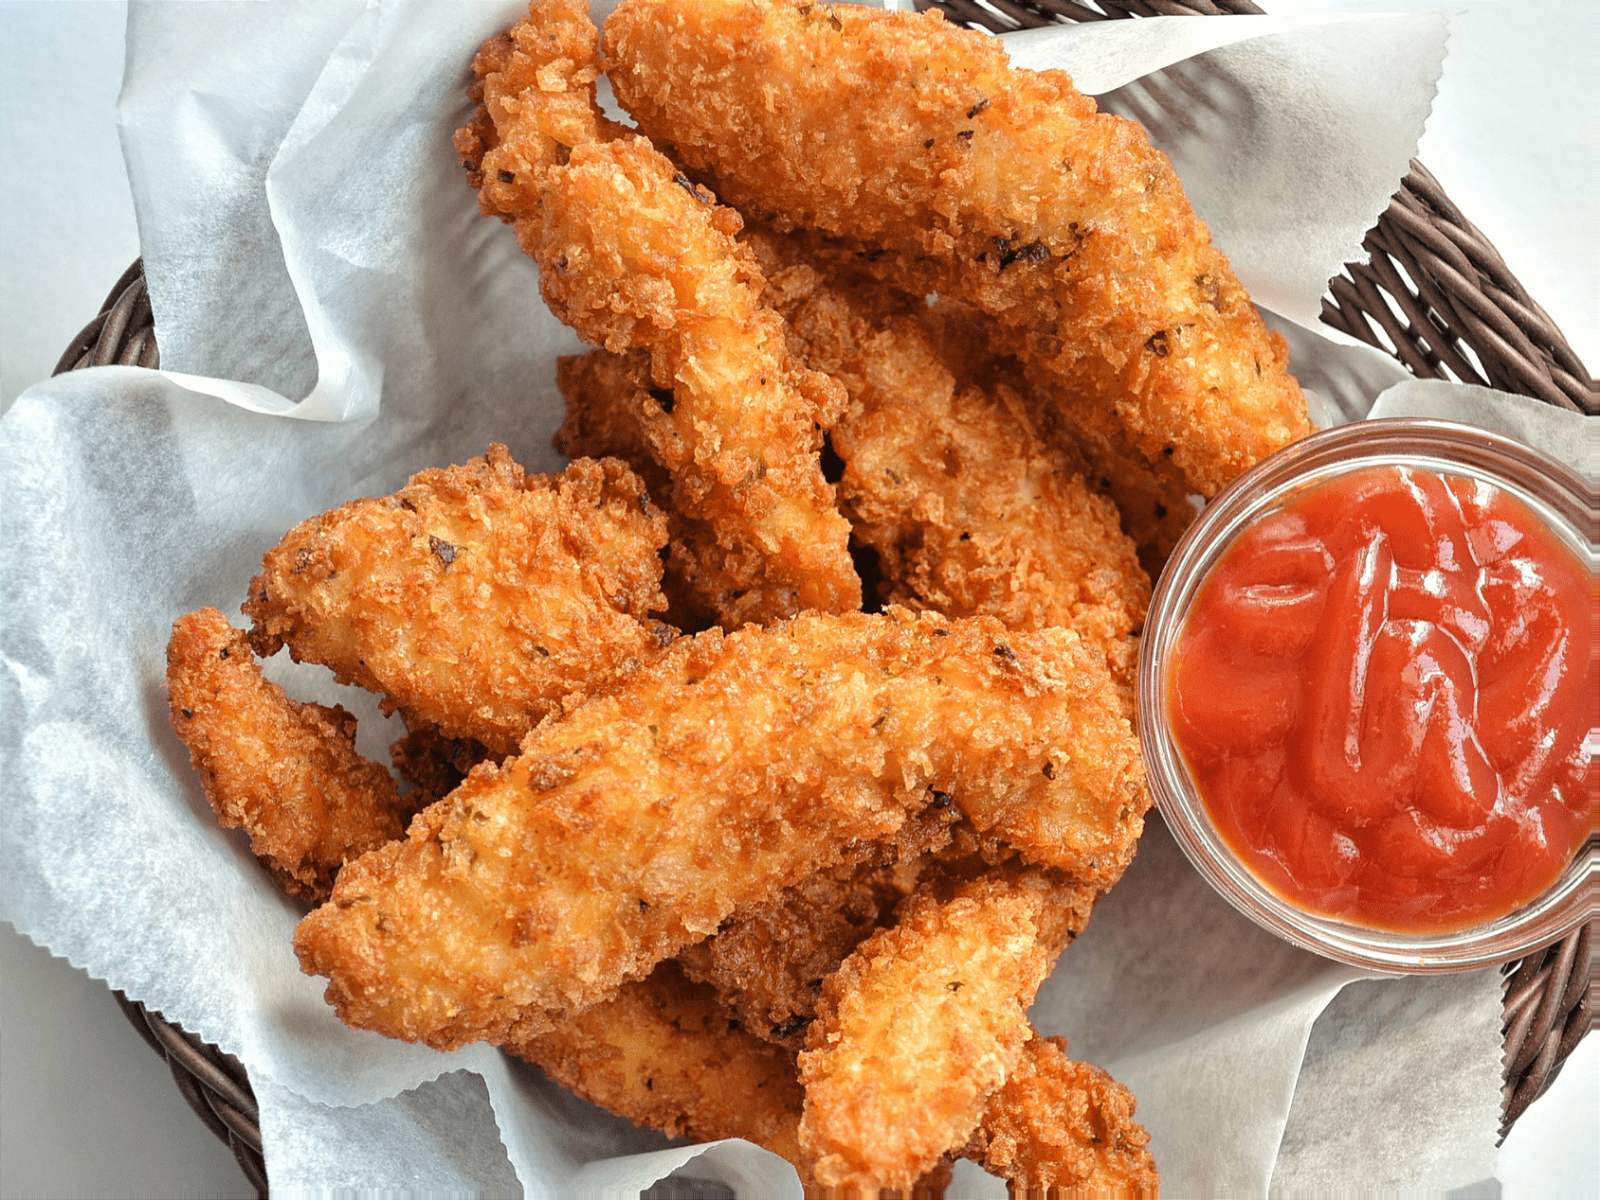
[(1382, 692)]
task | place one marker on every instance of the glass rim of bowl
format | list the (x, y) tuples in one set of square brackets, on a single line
[(1557, 494)]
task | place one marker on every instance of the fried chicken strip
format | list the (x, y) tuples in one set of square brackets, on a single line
[(287, 773), (611, 403), (664, 1054), (632, 255), (1063, 1128), (1000, 187), (711, 779), (476, 597), (969, 507), (918, 1027), (1152, 498)]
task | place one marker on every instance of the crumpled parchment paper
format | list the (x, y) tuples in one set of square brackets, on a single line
[(335, 315)]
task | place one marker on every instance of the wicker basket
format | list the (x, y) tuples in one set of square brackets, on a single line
[(1436, 295)]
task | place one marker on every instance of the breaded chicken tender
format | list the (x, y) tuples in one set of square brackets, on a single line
[(915, 1031), (475, 598), (1000, 187), (1063, 1128), (664, 1054), (1152, 498), (969, 508), (731, 768), (287, 773), (633, 255), (611, 402)]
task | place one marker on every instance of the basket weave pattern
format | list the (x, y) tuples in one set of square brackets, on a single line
[(1435, 295)]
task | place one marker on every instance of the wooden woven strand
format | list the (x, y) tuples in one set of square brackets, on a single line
[(1496, 275), (1002, 16), (1547, 1014), (124, 332), (1431, 321), (1511, 363), (1437, 312), (1460, 276), (216, 1086)]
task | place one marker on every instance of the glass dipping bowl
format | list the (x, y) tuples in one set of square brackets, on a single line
[(1552, 491)]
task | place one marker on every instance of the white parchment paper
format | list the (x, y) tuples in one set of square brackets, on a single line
[(334, 315)]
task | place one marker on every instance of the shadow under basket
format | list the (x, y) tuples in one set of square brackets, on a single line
[(1435, 295)]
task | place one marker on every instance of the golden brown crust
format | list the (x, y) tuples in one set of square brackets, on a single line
[(1000, 187), (287, 773), (611, 402), (1153, 498), (915, 1031), (663, 1053), (477, 597), (509, 146), (946, 475), (1060, 1128), (632, 255), (730, 769)]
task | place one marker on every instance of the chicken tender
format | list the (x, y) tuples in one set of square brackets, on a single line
[(1153, 498), (664, 1054), (633, 255), (969, 508), (730, 769), (477, 597), (611, 402), (287, 773), (1059, 1127), (914, 1032), (1001, 187)]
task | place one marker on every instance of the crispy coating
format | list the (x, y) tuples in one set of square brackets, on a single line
[(611, 401), (663, 1053), (915, 1031), (1001, 187), (287, 773), (551, 58), (1153, 498), (633, 255), (969, 508), (476, 597), (1063, 1128), (732, 768)]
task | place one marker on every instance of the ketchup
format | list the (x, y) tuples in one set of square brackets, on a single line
[(1383, 692)]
